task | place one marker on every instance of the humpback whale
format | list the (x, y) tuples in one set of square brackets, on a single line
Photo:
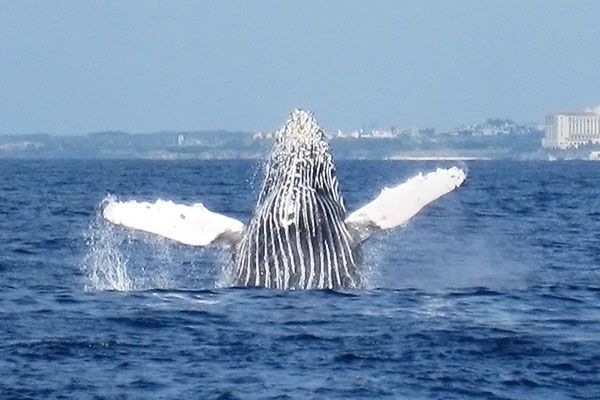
[(300, 235)]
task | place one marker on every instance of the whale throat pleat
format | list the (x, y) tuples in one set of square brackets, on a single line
[(313, 251)]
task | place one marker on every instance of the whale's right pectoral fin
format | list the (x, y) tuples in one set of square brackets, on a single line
[(395, 206), (192, 225)]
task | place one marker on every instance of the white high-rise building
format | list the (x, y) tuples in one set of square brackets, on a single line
[(564, 130)]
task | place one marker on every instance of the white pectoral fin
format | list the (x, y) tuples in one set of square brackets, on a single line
[(395, 206), (192, 225)]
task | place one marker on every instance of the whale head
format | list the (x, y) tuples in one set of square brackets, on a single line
[(300, 130), (301, 160)]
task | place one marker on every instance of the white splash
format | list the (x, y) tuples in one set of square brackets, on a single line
[(104, 266)]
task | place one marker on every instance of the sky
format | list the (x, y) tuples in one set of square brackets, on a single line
[(73, 67)]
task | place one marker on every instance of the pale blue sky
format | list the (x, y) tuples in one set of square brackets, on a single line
[(69, 67)]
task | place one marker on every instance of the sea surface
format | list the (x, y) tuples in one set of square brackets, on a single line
[(492, 292)]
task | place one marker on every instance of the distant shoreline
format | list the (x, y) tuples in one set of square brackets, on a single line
[(438, 158)]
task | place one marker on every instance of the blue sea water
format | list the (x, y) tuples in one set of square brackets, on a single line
[(492, 292)]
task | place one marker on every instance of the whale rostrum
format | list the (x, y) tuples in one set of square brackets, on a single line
[(300, 235)]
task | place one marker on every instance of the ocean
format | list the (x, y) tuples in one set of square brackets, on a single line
[(491, 292)]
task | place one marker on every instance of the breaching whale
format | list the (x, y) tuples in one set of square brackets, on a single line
[(300, 235)]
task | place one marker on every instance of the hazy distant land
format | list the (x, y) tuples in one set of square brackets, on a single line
[(493, 139)]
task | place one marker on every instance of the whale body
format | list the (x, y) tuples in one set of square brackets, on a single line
[(297, 237), (300, 235)]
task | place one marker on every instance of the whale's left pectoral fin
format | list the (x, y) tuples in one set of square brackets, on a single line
[(395, 206), (192, 225)]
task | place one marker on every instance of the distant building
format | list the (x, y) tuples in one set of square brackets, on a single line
[(262, 136), (565, 130)]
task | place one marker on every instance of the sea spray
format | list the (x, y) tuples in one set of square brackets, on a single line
[(104, 266), (226, 276), (154, 256)]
